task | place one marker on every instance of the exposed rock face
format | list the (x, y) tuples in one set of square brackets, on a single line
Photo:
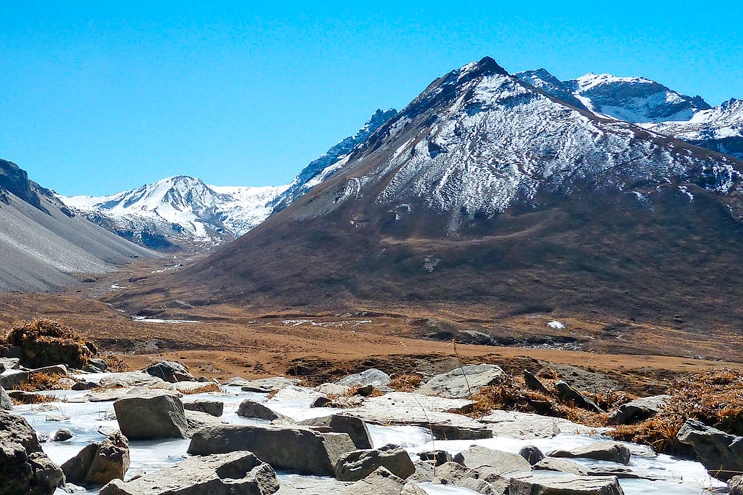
[(170, 371), (638, 410), (338, 423), (529, 484), (720, 452), (359, 464), (601, 451), (463, 382), (219, 474), (496, 460), (252, 409), (99, 463), (382, 482), (298, 450), (479, 480), (533, 383), (735, 485), (24, 467), (566, 392), (214, 408), (5, 403), (531, 453), (62, 435), (372, 376), (151, 414), (12, 378)]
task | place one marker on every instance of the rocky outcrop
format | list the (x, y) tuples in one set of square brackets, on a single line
[(463, 382), (530, 484), (252, 409), (496, 461), (338, 423), (220, 474), (600, 451), (479, 480), (533, 383), (5, 403), (24, 467), (211, 407), (721, 453), (529, 426), (382, 482), (372, 376), (13, 378), (170, 372), (359, 464), (299, 450), (531, 453), (151, 414), (568, 393), (735, 485), (99, 463), (638, 410)]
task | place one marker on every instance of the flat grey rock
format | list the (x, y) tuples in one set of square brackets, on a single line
[(463, 382)]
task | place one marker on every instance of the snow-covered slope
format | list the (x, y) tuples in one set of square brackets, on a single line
[(719, 128), (330, 162), (479, 140), (179, 210), (632, 99)]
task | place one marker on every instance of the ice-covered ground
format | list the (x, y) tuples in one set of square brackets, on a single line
[(92, 421)]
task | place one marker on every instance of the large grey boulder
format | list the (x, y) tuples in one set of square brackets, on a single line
[(530, 484), (359, 464), (24, 467), (99, 463), (372, 376), (567, 466), (476, 480), (7, 363), (531, 453), (463, 382), (568, 393), (533, 383), (211, 407), (382, 482), (721, 453), (338, 423), (132, 379), (170, 371), (497, 461), (638, 410), (5, 403), (516, 424), (600, 451), (220, 474), (295, 449), (252, 409), (13, 378), (151, 414)]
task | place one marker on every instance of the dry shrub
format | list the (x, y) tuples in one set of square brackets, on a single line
[(33, 399), (48, 342), (43, 381), (114, 362), (406, 382), (207, 387), (713, 397)]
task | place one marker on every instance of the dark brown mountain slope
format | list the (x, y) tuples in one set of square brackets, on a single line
[(486, 197)]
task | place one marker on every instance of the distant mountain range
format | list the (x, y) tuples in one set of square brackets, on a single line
[(184, 213), (44, 246), (488, 195)]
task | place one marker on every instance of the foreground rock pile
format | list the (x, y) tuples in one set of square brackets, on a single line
[(336, 443)]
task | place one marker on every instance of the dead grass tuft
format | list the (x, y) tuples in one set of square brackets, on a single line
[(406, 382), (207, 387)]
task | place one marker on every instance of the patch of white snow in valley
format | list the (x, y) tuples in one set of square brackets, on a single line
[(144, 319), (557, 325)]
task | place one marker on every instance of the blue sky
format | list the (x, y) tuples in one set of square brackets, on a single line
[(98, 97)]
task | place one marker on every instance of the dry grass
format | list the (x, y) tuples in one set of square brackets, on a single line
[(207, 387), (33, 399), (713, 397), (406, 382)]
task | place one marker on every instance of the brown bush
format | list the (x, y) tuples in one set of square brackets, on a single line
[(406, 383), (48, 342)]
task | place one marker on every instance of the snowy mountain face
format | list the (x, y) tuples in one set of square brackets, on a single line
[(179, 210), (330, 162), (719, 128), (631, 99), (479, 140)]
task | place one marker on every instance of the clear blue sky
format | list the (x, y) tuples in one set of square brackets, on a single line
[(98, 97)]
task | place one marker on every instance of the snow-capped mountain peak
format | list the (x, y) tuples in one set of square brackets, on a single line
[(180, 207)]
